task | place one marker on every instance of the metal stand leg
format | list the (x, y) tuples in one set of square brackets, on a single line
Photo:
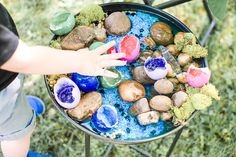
[(87, 145), (174, 142), (108, 150), (141, 151)]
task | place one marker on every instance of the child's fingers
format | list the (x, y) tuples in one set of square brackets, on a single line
[(112, 63), (102, 49), (107, 73), (113, 56)]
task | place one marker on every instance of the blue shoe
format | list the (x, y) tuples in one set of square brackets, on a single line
[(36, 104), (33, 154)]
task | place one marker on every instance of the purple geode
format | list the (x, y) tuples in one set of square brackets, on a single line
[(67, 93), (156, 68)]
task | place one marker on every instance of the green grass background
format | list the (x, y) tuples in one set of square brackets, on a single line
[(212, 133)]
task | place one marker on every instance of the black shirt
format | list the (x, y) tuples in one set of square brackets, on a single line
[(8, 44)]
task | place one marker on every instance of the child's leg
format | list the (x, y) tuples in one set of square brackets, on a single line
[(17, 148), (17, 120)]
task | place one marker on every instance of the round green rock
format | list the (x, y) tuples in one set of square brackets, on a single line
[(109, 82), (62, 23), (95, 45)]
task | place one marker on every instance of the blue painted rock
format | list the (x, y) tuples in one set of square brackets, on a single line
[(129, 45), (108, 82), (66, 93), (62, 23), (85, 83), (105, 118), (156, 68), (88, 105)]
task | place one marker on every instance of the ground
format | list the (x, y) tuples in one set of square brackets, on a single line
[(212, 133)]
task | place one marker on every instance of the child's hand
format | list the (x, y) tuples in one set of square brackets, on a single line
[(95, 62)]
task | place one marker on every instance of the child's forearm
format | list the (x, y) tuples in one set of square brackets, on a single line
[(45, 60), (42, 60)]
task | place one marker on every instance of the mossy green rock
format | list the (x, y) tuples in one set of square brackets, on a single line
[(108, 82), (89, 14), (62, 23)]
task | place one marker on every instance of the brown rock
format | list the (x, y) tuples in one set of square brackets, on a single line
[(148, 118), (171, 72), (131, 90), (88, 105), (117, 23), (140, 106), (140, 75), (179, 98), (161, 103), (78, 38), (149, 42), (164, 86), (161, 33)]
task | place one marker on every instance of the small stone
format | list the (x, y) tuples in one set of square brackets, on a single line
[(179, 98), (87, 106), (95, 45), (161, 103), (100, 34), (143, 56), (140, 75), (173, 50), (164, 86), (166, 116), (182, 77), (139, 107), (184, 59), (148, 118), (161, 33), (148, 41), (131, 90), (170, 72), (108, 82), (156, 54), (117, 23), (80, 37)]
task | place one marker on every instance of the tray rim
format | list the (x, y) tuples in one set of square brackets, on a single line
[(128, 6)]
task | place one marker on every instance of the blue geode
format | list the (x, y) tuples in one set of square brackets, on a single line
[(85, 83), (105, 118)]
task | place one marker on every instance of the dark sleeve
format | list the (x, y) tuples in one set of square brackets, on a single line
[(8, 44)]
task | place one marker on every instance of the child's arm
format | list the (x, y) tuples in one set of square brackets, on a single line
[(45, 60)]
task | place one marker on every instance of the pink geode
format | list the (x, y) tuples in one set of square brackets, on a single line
[(198, 77), (129, 45)]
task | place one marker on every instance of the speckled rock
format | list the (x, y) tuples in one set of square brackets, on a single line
[(117, 23), (148, 118), (139, 107), (88, 105), (131, 90), (184, 59)]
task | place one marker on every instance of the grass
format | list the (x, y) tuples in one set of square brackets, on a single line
[(212, 133)]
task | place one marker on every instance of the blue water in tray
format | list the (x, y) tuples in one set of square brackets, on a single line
[(128, 127)]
